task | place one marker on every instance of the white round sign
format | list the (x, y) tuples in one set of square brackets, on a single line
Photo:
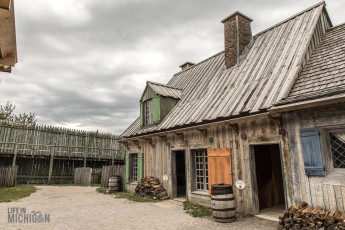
[(240, 184), (165, 178)]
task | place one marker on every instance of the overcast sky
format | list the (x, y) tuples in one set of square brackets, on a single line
[(84, 63)]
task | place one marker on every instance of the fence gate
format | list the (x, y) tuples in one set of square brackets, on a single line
[(82, 176)]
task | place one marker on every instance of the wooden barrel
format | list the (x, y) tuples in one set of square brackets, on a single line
[(223, 203), (114, 184)]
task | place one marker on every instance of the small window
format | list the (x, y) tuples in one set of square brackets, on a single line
[(201, 169), (148, 112), (337, 144), (134, 167)]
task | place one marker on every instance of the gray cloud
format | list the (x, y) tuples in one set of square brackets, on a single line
[(84, 64)]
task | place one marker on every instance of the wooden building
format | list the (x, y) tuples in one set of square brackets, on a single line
[(239, 117), (8, 47)]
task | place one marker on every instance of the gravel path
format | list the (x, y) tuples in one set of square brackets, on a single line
[(74, 207)]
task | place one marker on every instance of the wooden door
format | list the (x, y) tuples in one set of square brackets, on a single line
[(219, 167)]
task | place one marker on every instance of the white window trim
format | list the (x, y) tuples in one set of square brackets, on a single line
[(205, 177), (148, 112), (133, 168)]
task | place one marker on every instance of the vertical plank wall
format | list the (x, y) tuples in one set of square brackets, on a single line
[(260, 130), (328, 191)]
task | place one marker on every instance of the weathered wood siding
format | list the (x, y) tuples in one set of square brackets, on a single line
[(328, 191), (166, 105), (158, 150), (148, 94)]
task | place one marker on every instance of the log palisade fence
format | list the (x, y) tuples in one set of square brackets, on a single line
[(8, 176), (47, 154)]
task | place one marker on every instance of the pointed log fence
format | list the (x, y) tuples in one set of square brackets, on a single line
[(48, 154)]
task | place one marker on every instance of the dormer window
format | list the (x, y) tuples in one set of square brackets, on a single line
[(148, 112), (156, 102)]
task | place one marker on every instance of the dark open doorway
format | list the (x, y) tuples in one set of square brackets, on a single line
[(269, 176), (180, 174)]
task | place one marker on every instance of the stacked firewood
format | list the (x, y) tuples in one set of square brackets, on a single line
[(302, 216), (151, 187)]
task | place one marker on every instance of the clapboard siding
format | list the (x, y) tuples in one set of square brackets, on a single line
[(328, 191)]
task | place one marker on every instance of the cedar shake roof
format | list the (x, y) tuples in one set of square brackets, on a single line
[(268, 69), (324, 75)]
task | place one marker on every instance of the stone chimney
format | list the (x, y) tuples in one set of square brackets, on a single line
[(186, 65), (237, 35)]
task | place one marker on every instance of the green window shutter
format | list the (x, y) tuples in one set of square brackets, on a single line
[(156, 110), (141, 114), (127, 168), (140, 166)]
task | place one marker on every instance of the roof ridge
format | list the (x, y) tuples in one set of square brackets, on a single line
[(289, 18), (161, 84), (258, 34)]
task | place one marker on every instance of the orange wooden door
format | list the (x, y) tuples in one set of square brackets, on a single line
[(219, 167)]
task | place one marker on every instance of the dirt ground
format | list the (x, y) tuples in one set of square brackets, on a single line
[(74, 207)]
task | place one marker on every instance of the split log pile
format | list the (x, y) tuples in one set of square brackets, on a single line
[(302, 216), (151, 187)]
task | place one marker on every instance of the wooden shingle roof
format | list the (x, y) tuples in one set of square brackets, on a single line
[(165, 90), (324, 75), (268, 70)]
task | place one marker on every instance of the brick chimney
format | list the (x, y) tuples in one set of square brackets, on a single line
[(237, 35)]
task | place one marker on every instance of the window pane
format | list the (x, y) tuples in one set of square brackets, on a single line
[(337, 141), (201, 169), (148, 112), (134, 169)]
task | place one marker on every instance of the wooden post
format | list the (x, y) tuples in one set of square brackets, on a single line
[(15, 154), (51, 165), (85, 150)]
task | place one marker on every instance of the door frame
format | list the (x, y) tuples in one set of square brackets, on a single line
[(173, 172), (254, 187)]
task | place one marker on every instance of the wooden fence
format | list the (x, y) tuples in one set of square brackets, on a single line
[(8, 176), (47, 154), (82, 176), (96, 176), (108, 171)]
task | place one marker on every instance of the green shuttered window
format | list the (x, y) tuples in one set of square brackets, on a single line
[(156, 111), (150, 111), (127, 168), (134, 167), (141, 114), (312, 155), (140, 166)]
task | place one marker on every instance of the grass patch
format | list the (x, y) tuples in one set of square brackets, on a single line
[(126, 195), (102, 190), (16, 193), (197, 210)]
